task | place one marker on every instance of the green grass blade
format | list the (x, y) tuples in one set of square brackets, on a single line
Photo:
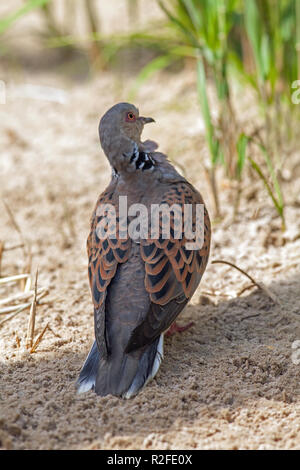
[(279, 207), (201, 81), (241, 151), (155, 65), (273, 174), (175, 21), (194, 14), (254, 30)]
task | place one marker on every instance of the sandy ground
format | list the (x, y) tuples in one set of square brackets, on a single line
[(232, 380)]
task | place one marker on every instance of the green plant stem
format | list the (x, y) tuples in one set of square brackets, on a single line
[(279, 206), (94, 22)]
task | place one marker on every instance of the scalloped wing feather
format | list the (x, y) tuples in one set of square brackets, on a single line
[(173, 271), (171, 268), (104, 256)]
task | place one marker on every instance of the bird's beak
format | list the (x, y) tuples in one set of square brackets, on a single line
[(146, 120)]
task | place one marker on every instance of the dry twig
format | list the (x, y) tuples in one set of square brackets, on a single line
[(16, 226), (1, 253), (17, 277), (13, 247), (12, 308), (18, 341), (260, 285), (21, 296), (27, 268), (23, 244), (31, 322), (249, 286), (23, 307), (39, 339)]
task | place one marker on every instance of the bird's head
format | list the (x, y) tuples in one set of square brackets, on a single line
[(119, 125)]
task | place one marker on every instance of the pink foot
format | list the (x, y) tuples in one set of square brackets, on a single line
[(175, 328)]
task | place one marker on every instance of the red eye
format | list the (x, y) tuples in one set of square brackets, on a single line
[(130, 117)]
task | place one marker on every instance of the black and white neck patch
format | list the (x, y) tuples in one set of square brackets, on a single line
[(141, 160)]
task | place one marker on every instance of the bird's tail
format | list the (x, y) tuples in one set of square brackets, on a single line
[(120, 374)]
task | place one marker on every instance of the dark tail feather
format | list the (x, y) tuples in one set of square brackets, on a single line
[(147, 367), (87, 377), (120, 374)]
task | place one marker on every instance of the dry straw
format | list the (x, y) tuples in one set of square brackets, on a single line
[(31, 322)]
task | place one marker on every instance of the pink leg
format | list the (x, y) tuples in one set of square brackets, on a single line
[(175, 328)]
